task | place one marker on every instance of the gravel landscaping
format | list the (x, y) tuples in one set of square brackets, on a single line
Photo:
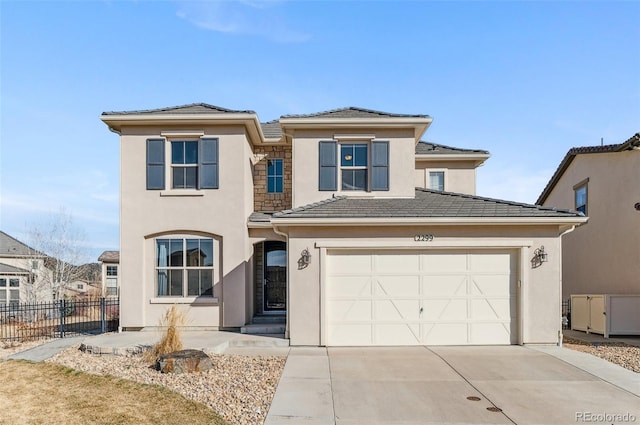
[(238, 388), (627, 356)]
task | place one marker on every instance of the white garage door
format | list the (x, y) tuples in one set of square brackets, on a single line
[(420, 298)]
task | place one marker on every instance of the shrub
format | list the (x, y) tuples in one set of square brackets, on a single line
[(171, 340)]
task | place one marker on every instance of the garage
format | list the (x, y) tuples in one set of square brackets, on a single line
[(420, 297)]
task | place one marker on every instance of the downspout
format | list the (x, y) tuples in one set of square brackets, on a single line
[(566, 232), (277, 231)]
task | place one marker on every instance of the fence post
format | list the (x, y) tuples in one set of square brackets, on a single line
[(103, 316), (61, 310)]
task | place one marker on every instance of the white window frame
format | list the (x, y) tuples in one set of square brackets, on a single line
[(8, 289), (367, 167), (172, 167), (428, 178), (275, 176), (112, 267)]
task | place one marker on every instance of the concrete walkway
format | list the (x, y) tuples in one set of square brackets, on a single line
[(213, 342)]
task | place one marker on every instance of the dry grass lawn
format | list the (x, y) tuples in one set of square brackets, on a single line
[(45, 393)]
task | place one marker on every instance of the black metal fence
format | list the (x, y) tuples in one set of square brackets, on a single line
[(57, 319), (566, 314)]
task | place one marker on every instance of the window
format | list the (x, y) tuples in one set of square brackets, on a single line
[(112, 270), (80, 286), (111, 287), (184, 267), (581, 197), (9, 290), (275, 176), (353, 166), (358, 169), (194, 164), (436, 180)]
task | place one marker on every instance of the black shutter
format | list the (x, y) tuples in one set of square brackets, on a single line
[(328, 165), (379, 165), (155, 164), (208, 166)]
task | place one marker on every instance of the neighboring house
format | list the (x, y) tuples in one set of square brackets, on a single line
[(21, 273), (603, 255), (110, 263), (87, 282), (317, 218)]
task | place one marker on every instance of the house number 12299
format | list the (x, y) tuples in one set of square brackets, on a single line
[(423, 238)]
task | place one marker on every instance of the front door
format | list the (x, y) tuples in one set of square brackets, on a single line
[(275, 276)]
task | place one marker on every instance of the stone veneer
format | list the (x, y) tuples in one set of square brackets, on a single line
[(271, 202)]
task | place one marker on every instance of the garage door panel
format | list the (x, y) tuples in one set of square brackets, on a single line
[(350, 310), (401, 286), (351, 286), (396, 263), (490, 333), (351, 263), (444, 309), (397, 334), (443, 262), (491, 284), (444, 285), (358, 334), (396, 310), (422, 297), (491, 309), (486, 262), (445, 334)]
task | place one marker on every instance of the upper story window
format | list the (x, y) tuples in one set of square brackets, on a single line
[(184, 267), (436, 180), (275, 176), (193, 164), (581, 197), (354, 169), (112, 270), (359, 166)]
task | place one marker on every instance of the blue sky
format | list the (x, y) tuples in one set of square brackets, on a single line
[(525, 80)]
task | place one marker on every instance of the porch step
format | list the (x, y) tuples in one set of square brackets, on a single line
[(263, 328), (269, 319)]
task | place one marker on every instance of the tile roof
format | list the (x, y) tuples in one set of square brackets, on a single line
[(110, 257), (271, 129), (7, 269), (11, 247), (260, 217), (192, 108), (428, 148), (353, 112), (632, 143), (426, 204)]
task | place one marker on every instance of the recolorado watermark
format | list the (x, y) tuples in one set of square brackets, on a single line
[(605, 417)]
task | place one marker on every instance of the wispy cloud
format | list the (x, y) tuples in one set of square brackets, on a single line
[(261, 18)]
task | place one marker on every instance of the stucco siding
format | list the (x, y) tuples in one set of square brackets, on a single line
[(603, 255), (306, 171), (460, 177), (539, 287), (218, 213)]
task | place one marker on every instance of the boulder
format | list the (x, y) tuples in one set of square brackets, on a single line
[(184, 361)]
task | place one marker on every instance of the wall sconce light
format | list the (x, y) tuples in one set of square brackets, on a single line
[(539, 257), (305, 259)]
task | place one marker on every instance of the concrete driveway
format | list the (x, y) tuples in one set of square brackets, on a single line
[(431, 385)]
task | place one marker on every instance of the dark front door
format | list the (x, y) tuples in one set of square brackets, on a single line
[(275, 276)]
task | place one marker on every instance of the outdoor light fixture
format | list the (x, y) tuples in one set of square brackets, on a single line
[(305, 257), (348, 157), (539, 257)]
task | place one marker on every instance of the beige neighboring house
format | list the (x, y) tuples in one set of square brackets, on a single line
[(110, 273), (21, 273), (342, 224), (603, 255)]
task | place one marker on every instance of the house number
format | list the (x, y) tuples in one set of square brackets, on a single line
[(423, 238)]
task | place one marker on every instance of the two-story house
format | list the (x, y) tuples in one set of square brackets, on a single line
[(343, 222), (602, 256), (22, 273)]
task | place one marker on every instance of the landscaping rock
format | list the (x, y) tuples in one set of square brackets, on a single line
[(184, 361)]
